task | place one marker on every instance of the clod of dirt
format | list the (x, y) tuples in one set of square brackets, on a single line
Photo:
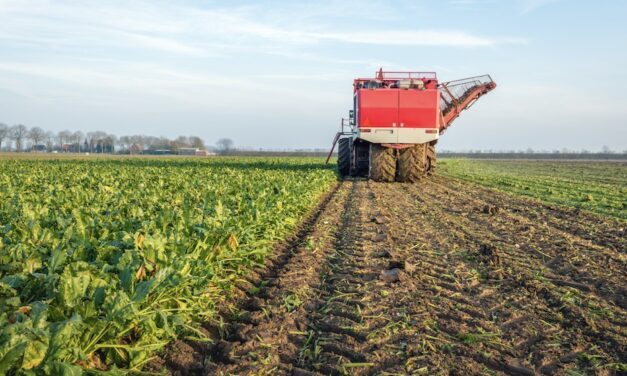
[(382, 254), (379, 219), (310, 305), (380, 237), (254, 304), (489, 254), (221, 350), (390, 276), (515, 367), (301, 372), (490, 209), (396, 264), (180, 356)]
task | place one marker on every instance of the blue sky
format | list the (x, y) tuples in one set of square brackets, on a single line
[(278, 74)]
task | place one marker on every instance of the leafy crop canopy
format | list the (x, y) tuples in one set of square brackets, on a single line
[(103, 262)]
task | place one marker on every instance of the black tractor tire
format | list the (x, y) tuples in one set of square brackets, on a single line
[(412, 163), (344, 157), (382, 163), (431, 158)]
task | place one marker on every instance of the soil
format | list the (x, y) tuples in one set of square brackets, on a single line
[(440, 277)]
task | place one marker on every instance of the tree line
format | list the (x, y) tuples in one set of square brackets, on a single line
[(20, 138)]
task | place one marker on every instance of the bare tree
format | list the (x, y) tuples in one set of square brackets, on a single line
[(76, 139), (225, 145), (125, 142), (64, 137), (96, 141), (18, 133), (152, 142), (49, 138), (105, 143), (137, 141), (164, 142), (181, 142), (196, 142), (37, 135), (4, 133), (99, 142)]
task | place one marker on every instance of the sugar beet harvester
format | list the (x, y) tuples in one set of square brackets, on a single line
[(396, 121)]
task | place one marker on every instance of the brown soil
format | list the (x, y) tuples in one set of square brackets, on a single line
[(440, 277)]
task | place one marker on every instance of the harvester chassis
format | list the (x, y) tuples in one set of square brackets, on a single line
[(385, 163)]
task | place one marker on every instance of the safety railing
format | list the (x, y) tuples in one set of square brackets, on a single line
[(397, 75)]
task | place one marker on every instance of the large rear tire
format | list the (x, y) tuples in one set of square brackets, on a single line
[(412, 163), (431, 159), (382, 163), (344, 157)]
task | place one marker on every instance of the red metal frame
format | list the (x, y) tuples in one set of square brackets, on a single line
[(397, 99)]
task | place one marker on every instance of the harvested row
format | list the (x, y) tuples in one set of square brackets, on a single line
[(518, 289), (579, 262), (603, 231), (417, 279)]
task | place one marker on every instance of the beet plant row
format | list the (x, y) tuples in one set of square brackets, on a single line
[(103, 262)]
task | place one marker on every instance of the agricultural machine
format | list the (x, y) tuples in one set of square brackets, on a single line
[(396, 120)]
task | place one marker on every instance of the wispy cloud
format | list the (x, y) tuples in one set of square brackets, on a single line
[(521, 6), (190, 30), (528, 6), (445, 38)]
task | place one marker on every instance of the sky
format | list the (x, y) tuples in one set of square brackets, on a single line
[(278, 74)]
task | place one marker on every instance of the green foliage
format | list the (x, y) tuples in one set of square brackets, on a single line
[(103, 262), (292, 302), (597, 186)]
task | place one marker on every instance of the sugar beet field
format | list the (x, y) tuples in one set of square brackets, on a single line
[(226, 266)]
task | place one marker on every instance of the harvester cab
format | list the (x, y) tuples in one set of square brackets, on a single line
[(396, 121)]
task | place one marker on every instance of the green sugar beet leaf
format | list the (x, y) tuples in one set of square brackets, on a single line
[(66, 340), (63, 369), (74, 283)]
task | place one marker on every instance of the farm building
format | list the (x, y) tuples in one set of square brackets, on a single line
[(204, 153), (188, 151)]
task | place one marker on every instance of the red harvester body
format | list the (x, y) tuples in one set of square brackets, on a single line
[(396, 120)]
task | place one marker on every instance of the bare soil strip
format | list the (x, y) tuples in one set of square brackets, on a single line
[(604, 231), (441, 277)]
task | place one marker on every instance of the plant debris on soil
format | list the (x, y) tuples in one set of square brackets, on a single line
[(440, 277)]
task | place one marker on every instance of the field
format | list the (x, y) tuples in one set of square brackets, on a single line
[(596, 186), (271, 266)]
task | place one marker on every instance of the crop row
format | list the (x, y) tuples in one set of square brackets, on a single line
[(103, 262)]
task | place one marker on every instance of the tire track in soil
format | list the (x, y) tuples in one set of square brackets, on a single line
[(350, 331), (333, 326), (515, 285), (578, 262), (257, 335), (435, 285)]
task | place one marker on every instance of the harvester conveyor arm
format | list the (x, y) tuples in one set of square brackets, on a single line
[(463, 101)]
